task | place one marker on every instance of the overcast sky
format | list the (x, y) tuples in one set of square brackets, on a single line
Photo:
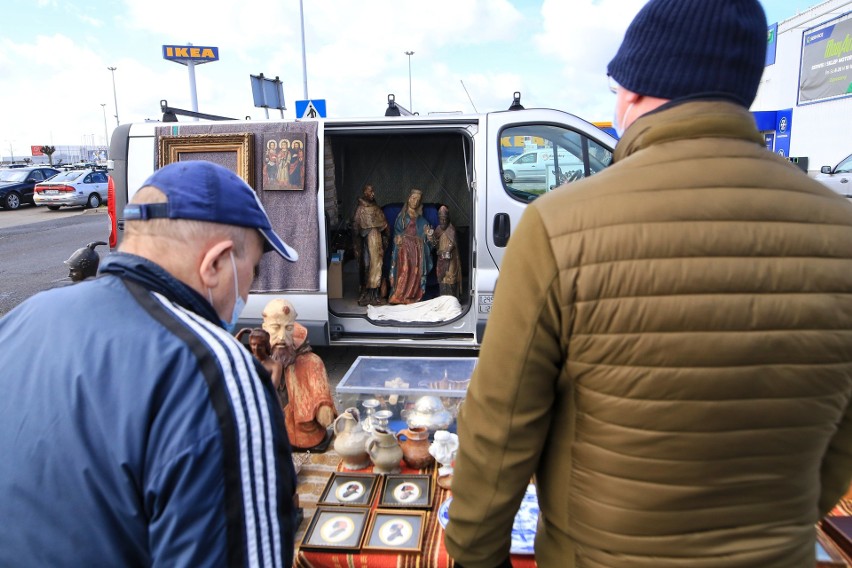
[(469, 56)]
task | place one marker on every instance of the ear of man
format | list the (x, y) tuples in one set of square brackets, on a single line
[(215, 259)]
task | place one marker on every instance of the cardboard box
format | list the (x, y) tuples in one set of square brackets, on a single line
[(335, 279)]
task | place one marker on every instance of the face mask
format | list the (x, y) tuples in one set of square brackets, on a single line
[(617, 124), (239, 303)]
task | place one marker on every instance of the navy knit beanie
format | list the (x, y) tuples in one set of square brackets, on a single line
[(680, 48)]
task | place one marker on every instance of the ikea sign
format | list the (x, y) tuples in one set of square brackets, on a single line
[(190, 53)]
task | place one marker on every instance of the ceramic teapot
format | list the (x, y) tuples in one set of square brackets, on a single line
[(384, 451), (429, 411), (350, 440)]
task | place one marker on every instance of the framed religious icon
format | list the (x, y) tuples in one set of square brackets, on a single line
[(407, 491), (350, 489), (233, 151), (336, 528), (284, 161), (399, 531)]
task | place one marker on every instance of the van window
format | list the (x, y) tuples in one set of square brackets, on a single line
[(538, 158)]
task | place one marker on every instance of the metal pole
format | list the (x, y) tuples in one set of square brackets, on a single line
[(114, 95), (193, 95), (304, 60), (106, 135), (410, 104)]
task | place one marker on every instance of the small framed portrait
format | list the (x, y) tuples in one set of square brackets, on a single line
[(400, 531), (284, 161), (336, 528), (407, 491), (350, 489)]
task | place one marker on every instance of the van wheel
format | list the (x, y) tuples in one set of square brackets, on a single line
[(12, 201), (94, 201), (53, 207), (508, 176)]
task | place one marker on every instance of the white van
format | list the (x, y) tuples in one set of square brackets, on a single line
[(456, 160), (540, 165)]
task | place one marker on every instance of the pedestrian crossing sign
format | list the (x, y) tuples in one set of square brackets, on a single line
[(314, 108)]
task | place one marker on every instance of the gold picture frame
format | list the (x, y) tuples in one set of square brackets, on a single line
[(233, 151), (394, 530), (336, 529)]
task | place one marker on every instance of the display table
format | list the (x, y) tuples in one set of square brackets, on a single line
[(432, 554)]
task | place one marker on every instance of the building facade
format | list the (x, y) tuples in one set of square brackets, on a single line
[(804, 103)]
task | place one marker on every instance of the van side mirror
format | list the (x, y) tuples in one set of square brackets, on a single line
[(825, 170)]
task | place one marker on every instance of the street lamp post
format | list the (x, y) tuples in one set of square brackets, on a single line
[(106, 136), (114, 96), (410, 104)]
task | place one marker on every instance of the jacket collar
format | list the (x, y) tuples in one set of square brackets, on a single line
[(688, 120), (155, 278)]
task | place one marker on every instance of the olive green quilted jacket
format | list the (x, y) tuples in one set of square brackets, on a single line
[(670, 354)]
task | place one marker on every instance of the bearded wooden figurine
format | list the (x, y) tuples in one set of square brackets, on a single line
[(304, 391)]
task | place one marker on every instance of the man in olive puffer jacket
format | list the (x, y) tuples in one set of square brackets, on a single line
[(670, 348)]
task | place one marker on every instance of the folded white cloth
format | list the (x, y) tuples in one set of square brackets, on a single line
[(441, 308)]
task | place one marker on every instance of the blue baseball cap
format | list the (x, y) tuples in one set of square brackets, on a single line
[(204, 191)]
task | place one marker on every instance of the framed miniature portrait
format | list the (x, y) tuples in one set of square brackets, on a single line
[(407, 491), (350, 489), (336, 528), (233, 151), (400, 531), (284, 161)]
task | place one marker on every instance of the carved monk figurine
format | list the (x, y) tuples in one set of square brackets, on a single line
[(309, 407), (370, 232), (448, 267)]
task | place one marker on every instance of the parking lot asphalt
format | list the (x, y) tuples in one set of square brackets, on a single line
[(27, 214)]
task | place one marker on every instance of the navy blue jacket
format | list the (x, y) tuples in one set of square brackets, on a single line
[(135, 431)]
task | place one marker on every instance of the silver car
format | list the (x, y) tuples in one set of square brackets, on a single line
[(86, 188), (838, 178)]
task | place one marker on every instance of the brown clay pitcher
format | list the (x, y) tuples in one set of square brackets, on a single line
[(415, 447)]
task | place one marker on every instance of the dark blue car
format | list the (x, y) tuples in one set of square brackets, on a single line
[(17, 184)]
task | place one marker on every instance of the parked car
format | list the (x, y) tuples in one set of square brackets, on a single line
[(16, 185), (86, 188), (838, 178)]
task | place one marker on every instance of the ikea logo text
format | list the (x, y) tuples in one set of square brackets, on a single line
[(186, 53)]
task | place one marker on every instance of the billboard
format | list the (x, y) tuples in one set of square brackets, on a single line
[(826, 64), (771, 44), (184, 54)]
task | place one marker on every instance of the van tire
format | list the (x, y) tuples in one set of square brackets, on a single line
[(508, 176)]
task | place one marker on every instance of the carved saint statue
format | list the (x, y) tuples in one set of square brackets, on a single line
[(308, 407), (370, 233), (412, 257), (448, 267), (261, 348)]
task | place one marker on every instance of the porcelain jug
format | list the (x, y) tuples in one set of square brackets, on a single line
[(415, 447), (384, 451), (350, 440)]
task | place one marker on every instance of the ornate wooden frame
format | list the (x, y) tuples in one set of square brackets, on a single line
[(238, 149)]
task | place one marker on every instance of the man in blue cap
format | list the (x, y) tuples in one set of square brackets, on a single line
[(669, 352), (141, 432)]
